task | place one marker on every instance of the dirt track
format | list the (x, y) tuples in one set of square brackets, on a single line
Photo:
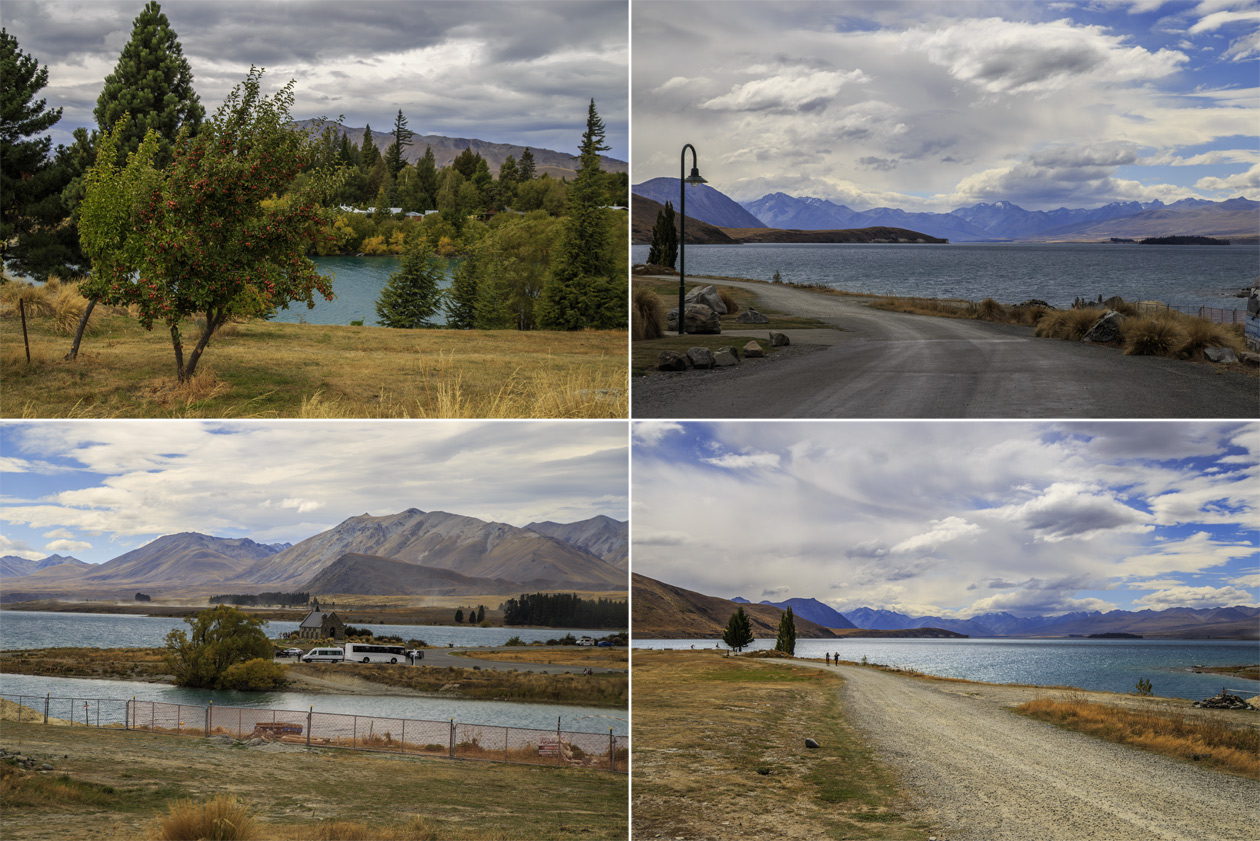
[(979, 772)]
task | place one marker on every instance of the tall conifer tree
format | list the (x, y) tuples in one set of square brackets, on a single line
[(402, 139), (153, 82)]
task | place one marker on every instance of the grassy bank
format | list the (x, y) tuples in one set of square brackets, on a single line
[(1170, 733), (110, 784), (569, 655), (719, 750), (264, 369)]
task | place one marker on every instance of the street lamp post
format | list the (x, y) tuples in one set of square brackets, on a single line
[(693, 179)]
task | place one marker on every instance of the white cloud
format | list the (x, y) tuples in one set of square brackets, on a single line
[(1068, 510), (1216, 20), (302, 505), (941, 531), (1247, 182), (59, 546), (739, 461), (651, 433), (1246, 581), (1192, 554), (787, 91), (1197, 597)]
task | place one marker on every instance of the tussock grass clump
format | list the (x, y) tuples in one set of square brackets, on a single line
[(727, 297), (647, 315), (19, 787), (1201, 334), (1171, 733), (36, 300), (1027, 316), (991, 310), (1067, 324), (946, 307), (222, 818), (1143, 336)]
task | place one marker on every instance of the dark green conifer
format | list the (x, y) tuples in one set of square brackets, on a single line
[(412, 297)]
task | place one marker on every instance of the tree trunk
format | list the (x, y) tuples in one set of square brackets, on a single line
[(178, 345), (213, 322), (78, 334)]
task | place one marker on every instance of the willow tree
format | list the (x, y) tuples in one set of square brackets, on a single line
[(221, 232)]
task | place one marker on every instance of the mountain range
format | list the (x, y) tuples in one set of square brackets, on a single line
[(984, 222), (411, 552), (445, 149)]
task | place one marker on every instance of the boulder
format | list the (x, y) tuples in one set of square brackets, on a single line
[(1035, 302), (779, 340), (699, 319), (1105, 329), (752, 350), (1222, 355), (726, 357), (810, 743), (700, 357), (1224, 701), (708, 296), (670, 361), (751, 316)]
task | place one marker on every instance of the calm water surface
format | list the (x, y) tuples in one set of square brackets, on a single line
[(357, 283), (35, 629), (1178, 275), (1105, 665)]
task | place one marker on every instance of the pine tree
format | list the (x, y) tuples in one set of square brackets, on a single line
[(526, 167), (586, 288), (664, 248), (465, 163), (460, 303), (411, 297), (402, 139), (459, 616), (153, 82), (738, 631), (481, 613), (426, 174), (786, 640), (368, 153), (33, 238)]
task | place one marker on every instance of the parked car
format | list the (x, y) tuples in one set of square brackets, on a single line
[(586, 641), (324, 655), (293, 652), (604, 644)]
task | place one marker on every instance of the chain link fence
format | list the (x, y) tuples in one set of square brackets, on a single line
[(445, 739)]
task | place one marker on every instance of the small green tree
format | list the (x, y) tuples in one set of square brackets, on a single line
[(738, 631), (460, 302), (217, 639), (257, 675), (207, 235), (786, 640), (664, 248), (481, 613), (412, 297)]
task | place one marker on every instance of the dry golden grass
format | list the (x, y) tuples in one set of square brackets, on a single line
[(1171, 733), (221, 818), (991, 310), (941, 307), (647, 315), (1145, 336), (727, 297), (262, 369), (1200, 335), (1067, 324), (569, 655), (13, 711), (709, 731)]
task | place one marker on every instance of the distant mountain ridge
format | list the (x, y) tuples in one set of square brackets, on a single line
[(602, 536), (13, 566), (433, 552), (983, 222), (445, 149)]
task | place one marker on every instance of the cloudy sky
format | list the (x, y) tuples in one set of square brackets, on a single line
[(518, 72), (952, 518), (95, 490), (938, 104)]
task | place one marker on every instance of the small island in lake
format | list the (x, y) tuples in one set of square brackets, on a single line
[(1113, 635)]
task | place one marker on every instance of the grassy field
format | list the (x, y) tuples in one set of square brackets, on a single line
[(1232, 749), (263, 369), (569, 655), (114, 784), (719, 751)]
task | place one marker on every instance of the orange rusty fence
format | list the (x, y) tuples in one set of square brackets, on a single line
[(443, 739)]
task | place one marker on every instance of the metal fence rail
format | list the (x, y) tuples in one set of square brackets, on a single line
[(445, 739)]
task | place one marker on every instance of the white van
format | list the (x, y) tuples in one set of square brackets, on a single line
[(324, 655)]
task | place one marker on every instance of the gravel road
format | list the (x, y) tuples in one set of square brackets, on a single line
[(893, 365), (978, 772)]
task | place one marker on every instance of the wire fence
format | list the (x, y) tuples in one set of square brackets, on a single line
[(442, 739)]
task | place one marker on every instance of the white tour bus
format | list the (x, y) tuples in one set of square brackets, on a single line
[(361, 652)]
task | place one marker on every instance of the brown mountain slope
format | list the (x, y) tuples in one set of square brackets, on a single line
[(377, 576), (467, 545), (643, 217), (663, 611)]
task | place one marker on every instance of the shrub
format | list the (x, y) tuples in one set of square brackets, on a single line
[(221, 819), (257, 675), (1151, 336), (1201, 334), (515, 641), (727, 297), (1143, 687), (647, 317), (991, 310)]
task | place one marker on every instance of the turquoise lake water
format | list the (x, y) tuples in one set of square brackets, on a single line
[(357, 283), (1178, 275), (1105, 665)]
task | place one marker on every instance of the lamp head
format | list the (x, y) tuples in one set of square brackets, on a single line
[(694, 178)]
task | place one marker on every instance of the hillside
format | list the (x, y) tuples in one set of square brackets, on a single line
[(604, 537), (703, 203), (662, 611), (876, 234), (354, 574), (467, 545), (643, 213)]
